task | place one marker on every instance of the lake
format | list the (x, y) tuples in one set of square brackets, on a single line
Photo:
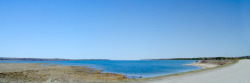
[(144, 68)]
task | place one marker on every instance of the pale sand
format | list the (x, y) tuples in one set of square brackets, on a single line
[(236, 73), (203, 65)]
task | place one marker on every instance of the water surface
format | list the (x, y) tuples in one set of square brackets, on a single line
[(144, 68)]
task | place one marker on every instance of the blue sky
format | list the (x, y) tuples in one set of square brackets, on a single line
[(124, 29)]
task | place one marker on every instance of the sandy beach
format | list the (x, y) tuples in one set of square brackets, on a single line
[(203, 65), (236, 73)]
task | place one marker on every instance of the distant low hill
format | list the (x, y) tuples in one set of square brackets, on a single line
[(42, 59), (58, 59), (206, 58)]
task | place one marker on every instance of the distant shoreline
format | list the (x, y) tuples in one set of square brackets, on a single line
[(60, 59), (42, 59)]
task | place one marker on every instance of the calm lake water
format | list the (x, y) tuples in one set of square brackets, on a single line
[(144, 68)]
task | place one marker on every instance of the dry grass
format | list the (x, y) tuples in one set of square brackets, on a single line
[(60, 74)]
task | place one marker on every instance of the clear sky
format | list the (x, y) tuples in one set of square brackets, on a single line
[(124, 29)]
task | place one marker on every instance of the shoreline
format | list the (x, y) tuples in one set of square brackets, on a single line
[(185, 74), (40, 67), (95, 76)]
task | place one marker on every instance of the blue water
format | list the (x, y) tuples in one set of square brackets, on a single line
[(144, 68)]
